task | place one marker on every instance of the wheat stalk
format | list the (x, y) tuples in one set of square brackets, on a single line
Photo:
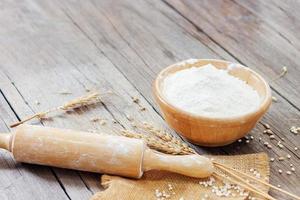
[(86, 100), (167, 139), (157, 143)]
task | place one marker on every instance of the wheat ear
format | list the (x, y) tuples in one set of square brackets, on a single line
[(86, 100), (156, 143)]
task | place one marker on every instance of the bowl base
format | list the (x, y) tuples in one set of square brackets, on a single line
[(203, 144)]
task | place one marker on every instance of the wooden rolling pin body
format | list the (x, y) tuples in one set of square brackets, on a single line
[(96, 153)]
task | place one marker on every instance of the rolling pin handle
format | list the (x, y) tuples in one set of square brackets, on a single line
[(5, 139), (190, 165)]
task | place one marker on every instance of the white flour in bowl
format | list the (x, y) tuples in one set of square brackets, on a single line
[(208, 91)]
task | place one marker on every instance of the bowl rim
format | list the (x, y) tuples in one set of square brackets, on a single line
[(261, 109)]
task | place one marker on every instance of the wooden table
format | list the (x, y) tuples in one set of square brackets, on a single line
[(48, 47)]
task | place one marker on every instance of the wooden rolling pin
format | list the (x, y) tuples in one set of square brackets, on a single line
[(96, 153)]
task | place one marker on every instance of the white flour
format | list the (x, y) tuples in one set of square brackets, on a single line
[(208, 91)]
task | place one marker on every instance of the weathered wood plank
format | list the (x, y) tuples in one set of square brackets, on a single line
[(74, 53), (247, 37), (283, 16), (21, 181)]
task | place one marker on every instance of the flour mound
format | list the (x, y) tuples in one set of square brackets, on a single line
[(208, 91)]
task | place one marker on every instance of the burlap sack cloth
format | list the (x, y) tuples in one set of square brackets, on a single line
[(118, 188)]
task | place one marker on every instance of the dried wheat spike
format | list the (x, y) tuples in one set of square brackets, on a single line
[(158, 144), (167, 137), (89, 99)]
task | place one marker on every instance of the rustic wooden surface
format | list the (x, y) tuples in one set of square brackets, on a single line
[(47, 47)]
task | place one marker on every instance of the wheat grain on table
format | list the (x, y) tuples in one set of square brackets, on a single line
[(53, 51)]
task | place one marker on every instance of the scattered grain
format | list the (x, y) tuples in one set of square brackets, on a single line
[(102, 122), (281, 158), (280, 145), (208, 183), (272, 137), (280, 171), (288, 156), (274, 99), (294, 130), (170, 187), (293, 169), (161, 195), (129, 117), (135, 99), (142, 108), (288, 172), (282, 73), (268, 131), (255, 173), (267, 126)]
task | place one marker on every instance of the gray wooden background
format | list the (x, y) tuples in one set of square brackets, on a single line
[(48, 47)]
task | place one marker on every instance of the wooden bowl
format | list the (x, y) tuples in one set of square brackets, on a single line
[(208, 131)]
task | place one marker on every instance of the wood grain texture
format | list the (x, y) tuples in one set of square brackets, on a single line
[(286, 15), (52, 46)]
